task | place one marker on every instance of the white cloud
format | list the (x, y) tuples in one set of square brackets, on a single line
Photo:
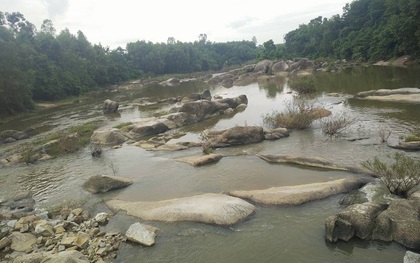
[(115, 23)]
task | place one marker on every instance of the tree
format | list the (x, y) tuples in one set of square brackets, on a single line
[(202, 38), (170, 41), (47, 27)]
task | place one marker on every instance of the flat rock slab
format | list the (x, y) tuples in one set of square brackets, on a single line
[(299, 194), (201, 160), (309, 162), (406, 95), (210, 208), (142, 234)]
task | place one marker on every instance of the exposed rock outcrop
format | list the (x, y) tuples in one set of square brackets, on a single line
[(102, 183), (399, 222), (299, 194), (207, 208)]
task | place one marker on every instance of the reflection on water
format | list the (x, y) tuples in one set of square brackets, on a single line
[(273, 234)]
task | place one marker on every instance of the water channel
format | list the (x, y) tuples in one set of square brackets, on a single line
[(272, 234)]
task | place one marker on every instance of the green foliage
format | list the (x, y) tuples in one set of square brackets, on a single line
[(368, 30), (400, 176), (412, 138), (298, 115), (303, 85), (48, 66)]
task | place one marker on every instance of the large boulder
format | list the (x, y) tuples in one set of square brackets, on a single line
[(280, 66), (302, 64), (110, 106), (203, 109), (216, 209), (108, 137), (356, 220), (263, 66), (103, 183), (238, 135), (299, 194), (400, 223), (220, 78), (244, 79), (147, 128)]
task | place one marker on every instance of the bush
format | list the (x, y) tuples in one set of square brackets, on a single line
[(335, 124), (303, 85), (298, 115), (400, 176)]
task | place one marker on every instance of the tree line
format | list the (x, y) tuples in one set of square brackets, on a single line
[(368, 30), (42, 65)]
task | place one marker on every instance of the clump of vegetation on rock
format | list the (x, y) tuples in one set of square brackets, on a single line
[(335, 124), (298, 115), (303, 85), (71, 140), (205, 143), (412, 138), (400, 176)]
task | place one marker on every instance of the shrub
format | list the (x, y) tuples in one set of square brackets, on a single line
[(298, 115), (384, 135), (303, 85), (335, 124), (400, 176)]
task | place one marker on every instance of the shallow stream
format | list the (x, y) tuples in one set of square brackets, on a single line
[(273, 234)]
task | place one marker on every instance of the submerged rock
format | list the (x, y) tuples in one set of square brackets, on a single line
[(201, 160), (299, 194), (310, 162), (102, 183), (216, 209)]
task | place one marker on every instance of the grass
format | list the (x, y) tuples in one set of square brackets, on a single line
[(71, 140), (122, 125), (303, 85), (298, 115), (412, 138)]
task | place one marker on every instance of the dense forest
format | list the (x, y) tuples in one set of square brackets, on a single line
[(368, 30), (42, 64)]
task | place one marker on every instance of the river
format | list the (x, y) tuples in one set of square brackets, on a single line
[(272, 234)]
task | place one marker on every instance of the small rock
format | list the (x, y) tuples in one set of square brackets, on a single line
[(102, 218), (142, 234)]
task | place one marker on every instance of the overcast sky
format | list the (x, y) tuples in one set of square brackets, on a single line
[(115, 23)]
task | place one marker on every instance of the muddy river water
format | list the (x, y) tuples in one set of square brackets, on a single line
[(272, 234)]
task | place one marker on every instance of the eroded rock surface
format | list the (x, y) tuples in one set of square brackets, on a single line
[(201, 160), (299, 194), (207, 208)]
